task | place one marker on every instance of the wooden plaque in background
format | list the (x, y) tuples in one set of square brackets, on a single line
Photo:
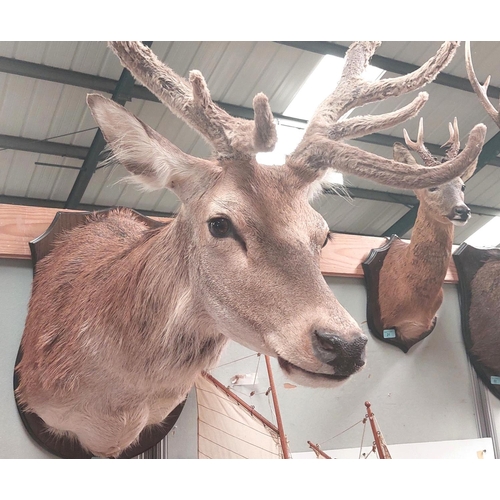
[(469, 260), (371, 267)]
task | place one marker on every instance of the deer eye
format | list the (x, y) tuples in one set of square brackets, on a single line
[(328, 238), (463, 187), (220, 227), (433, 189)]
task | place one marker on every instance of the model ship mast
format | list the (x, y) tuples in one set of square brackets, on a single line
[(382, 449), (379, 442), (228, 427), (283, 440)]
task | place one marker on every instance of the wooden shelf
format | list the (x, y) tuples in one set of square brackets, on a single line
[(342, 256)]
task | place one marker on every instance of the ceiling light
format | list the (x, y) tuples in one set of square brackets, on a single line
[(486, 237)]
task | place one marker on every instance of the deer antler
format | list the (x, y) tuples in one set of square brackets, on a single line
[(480, 90), (322, 146), (453, 145), (193, 104), (419, 146)]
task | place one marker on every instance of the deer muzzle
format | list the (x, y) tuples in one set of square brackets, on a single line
[(342, 357), (460, 215)]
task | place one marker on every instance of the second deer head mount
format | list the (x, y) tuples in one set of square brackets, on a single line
[(407, 287), (479, 280)]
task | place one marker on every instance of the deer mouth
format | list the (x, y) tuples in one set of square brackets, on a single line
[(459, 220), (309, 378)]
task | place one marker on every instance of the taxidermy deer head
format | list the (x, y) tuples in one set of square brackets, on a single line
[(411, 277), (484, 312), (122, 319)]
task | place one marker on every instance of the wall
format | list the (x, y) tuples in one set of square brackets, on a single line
[(15, 287), (423, 396)]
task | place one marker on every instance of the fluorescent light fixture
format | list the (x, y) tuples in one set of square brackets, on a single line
[(486, 237), (317, 87), (320, 84)]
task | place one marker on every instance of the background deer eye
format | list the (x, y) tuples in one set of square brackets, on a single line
[(219, 227), (433, 189)]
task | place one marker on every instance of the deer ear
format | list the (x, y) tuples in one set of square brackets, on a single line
[(154, 161), (402, 154), (468, 173)]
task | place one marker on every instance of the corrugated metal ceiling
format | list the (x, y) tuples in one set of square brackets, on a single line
[(235, 71)]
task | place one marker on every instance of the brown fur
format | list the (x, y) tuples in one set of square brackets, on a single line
[(484, 311), (483, 316), (122, 319), (412, 275)]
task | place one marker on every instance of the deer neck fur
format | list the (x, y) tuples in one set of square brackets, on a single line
[(428, 254), (166, 307)]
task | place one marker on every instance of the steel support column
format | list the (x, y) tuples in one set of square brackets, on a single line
[(121, 95)]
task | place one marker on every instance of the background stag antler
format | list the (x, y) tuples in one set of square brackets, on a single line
[(453, 145), (480, 90)]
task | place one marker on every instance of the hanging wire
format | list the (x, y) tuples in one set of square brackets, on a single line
[(371, 451), (333, 437), (257, 368), (362, 438), (236, 360)]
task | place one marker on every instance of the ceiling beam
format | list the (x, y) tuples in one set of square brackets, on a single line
[(68, 77), (490, 150), (391, 65), (43, 147)]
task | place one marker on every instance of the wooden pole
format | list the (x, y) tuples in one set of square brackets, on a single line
[(284, 443), (376, 434), (317, 450)]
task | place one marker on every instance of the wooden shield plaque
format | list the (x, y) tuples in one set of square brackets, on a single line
[(388, 334), (65, 447), (479, 292)]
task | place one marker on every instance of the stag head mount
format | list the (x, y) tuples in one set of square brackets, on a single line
[(123, 318)]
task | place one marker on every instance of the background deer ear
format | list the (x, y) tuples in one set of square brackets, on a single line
[(402, 154), (153, 160), (468, 173)]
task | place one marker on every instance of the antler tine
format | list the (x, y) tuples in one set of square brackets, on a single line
[(352, 91), (480, 90), (419, 146), (193, 104), (453, 143)]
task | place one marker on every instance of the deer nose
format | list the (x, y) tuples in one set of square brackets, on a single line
[(345, 356), (462, 211)]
